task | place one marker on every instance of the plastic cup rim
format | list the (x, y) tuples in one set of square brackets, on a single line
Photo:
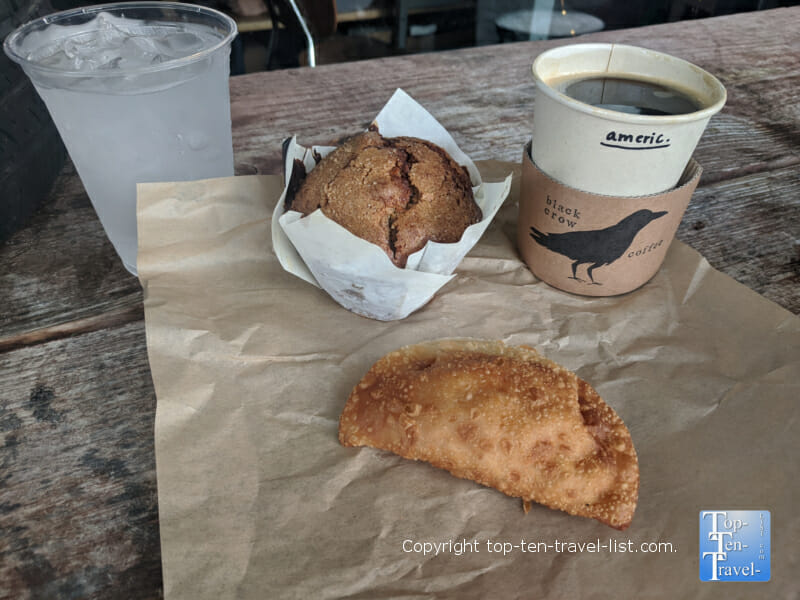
[(54, 18)]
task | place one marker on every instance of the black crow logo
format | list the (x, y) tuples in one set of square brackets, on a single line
[(598, 247)]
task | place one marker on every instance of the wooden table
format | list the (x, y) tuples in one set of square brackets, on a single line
[(78, 505)]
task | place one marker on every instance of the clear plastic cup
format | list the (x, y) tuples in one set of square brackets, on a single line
[(139, 93)]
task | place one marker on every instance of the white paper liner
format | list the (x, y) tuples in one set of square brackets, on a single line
[(356, 273)]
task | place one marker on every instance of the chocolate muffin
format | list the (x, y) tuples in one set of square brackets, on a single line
[(398, 193)]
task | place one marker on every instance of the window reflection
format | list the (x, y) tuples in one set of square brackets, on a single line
[(346, 30)]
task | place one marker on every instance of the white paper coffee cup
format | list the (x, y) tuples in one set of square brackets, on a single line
[(602, 150)]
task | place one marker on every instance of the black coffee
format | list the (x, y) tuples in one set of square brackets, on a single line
[(632, 96)]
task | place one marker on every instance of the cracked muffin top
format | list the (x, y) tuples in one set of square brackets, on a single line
[(398, 193)]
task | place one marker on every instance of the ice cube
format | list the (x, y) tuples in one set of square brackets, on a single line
[(179, 44), (138, 51), (109, 42)]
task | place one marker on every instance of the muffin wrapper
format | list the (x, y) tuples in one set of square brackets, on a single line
[(356, 273)]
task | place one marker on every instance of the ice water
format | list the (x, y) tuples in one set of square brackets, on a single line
[(133, 104)]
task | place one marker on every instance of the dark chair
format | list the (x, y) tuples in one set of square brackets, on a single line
[(309, 20), (307, 33)]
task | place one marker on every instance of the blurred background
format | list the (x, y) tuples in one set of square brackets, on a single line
[(288, 33)]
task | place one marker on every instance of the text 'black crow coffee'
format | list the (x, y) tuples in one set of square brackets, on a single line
[(633, 96)]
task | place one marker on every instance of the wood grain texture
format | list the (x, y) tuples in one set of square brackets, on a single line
[(78, 514), (105, 320), (749, 228), (61, 267), (78, 505)]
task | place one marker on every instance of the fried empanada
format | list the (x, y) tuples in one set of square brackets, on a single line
[(504, 417)]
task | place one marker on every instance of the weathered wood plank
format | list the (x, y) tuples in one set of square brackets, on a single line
[(61, 267), (105, 320), (78, 503), (746, 228)]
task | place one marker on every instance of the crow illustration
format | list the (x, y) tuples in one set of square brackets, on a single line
[(597, 247)]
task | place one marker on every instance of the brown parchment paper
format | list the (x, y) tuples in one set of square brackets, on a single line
[(252, 367)]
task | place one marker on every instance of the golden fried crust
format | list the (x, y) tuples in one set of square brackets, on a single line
[(502, 416)]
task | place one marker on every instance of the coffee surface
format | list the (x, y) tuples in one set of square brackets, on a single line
[(633, 96)]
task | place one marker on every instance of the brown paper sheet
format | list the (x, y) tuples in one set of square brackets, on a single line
[(252, 367)]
